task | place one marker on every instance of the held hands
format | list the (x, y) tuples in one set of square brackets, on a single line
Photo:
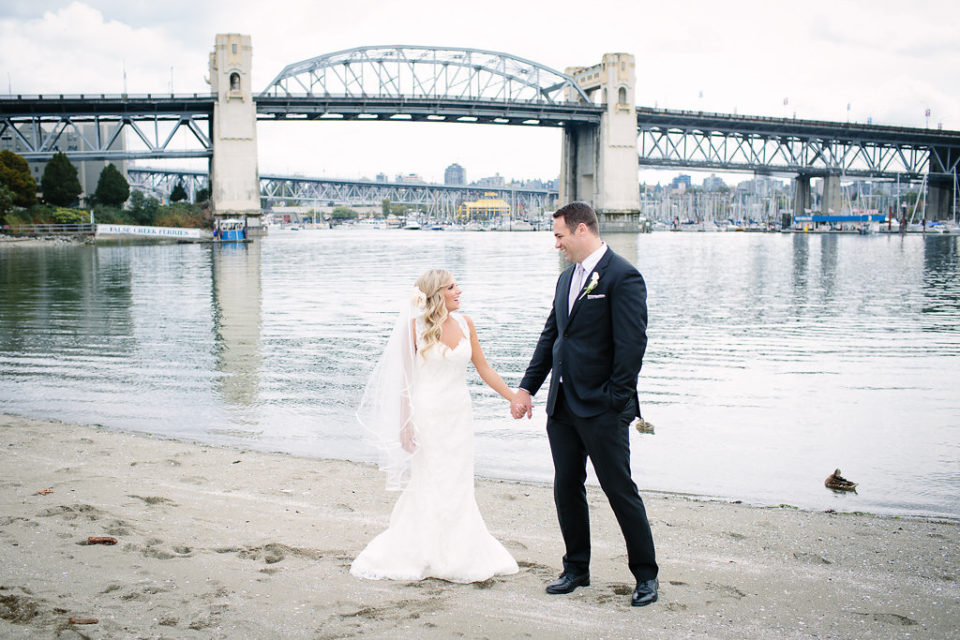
[(522, 404)]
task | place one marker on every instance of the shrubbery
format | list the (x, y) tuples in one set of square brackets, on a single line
[(176, 215), (62, 215)]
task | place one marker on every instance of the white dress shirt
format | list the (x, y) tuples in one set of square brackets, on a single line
[(589, 264)]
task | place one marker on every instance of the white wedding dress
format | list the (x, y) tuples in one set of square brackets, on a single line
[(436, 530)]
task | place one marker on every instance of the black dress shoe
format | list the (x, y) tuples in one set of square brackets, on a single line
[(645, 593), (567, 583)]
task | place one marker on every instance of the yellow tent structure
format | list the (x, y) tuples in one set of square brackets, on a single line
[(489, 207)]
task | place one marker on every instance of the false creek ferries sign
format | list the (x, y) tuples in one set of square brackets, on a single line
[(152, 232)]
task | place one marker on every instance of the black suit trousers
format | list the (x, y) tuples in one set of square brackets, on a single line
[(605, 439)]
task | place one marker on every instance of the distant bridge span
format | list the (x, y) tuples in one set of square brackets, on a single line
[(435, 199)]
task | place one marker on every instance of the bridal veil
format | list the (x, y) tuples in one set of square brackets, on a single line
[(385, 410)]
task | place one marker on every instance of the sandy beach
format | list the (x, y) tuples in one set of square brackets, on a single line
[(226, 543)]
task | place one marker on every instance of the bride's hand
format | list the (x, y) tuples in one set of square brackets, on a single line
[(407, 440), (521, 405)]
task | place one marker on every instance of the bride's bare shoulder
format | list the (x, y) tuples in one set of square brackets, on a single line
[(472, 331)]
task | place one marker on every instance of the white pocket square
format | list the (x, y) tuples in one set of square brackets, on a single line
[(595, 296)]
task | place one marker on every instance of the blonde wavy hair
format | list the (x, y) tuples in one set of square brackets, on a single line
[(432, 283)]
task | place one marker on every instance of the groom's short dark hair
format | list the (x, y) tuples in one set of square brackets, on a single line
[(575, 213)]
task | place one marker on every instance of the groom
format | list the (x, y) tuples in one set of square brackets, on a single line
[(593, 342)]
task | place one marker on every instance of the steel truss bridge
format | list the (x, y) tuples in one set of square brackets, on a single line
[(807, 147), (434, 199), (476, 86)]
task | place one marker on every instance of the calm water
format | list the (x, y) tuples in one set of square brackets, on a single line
[(772, 359)]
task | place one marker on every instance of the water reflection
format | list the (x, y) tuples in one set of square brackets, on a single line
[(237, 301), (940, 267), (51, 299), (829, 256)]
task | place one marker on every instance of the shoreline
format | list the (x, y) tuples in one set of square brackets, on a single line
[(543, 484), (233, 543)]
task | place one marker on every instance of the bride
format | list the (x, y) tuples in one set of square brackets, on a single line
[(417, 408)]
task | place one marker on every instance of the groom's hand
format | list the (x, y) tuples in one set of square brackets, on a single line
[(522, 404)]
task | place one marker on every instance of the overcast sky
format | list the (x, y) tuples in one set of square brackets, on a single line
[(890, 61)]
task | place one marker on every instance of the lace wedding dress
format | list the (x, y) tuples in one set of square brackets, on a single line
[(436, 529)]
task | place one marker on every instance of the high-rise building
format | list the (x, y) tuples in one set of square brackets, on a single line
[(88, 171), (713, 183), (495, 180), (455, 175)]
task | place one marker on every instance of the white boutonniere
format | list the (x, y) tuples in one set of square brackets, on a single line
[(594, 279)]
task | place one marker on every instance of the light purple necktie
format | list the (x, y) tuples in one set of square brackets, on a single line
[(575, 285)]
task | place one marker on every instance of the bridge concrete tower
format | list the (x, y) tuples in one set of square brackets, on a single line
[(831, 200), (941, 199), (234, 178), (942, 189), (801, 194), (599, 163)]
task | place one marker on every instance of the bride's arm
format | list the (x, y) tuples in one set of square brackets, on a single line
[(491, 377)]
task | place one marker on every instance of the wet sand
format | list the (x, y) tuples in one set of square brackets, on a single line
[(224, 543)]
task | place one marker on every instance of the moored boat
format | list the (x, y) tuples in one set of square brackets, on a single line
[(230, 230)]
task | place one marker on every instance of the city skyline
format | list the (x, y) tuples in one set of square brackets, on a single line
[(854, 61)]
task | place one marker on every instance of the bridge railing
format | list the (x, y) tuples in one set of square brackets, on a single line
[(107, 96), (48, 229)]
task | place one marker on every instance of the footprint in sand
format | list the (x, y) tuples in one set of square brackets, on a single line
[(150, 549), (18, 609), (72, 513), (513, 544), (812, 558), (144, 592), (118, 528), (894, 619), (272, 553), (153, 500), (536, 567), (725, 591)]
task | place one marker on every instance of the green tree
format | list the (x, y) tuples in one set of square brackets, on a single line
[(112, 188), (6, 200), (59, 182), (203, 195), (178, 193), (343, 213), (385, 207), (15, 176), (143, 209)]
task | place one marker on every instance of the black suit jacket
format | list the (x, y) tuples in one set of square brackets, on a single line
[(597, 348)]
